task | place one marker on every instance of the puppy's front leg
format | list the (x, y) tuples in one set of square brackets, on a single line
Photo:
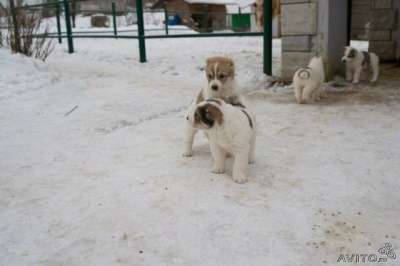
[(375, 72), (240, 165), (252, 152), (219, 157), (308, 94), (190, 132), (357, 74), (317, 94), (298, 91), (349, 74)]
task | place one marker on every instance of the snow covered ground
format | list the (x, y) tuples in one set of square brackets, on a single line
[(106, 183)]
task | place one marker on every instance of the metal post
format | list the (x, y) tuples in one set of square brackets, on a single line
[(267, 37), (114, 18), (17, 39), (349, 18), (73, 11), (58, 23), (68, 26), (141, 38), (166, 18), (207, 18)]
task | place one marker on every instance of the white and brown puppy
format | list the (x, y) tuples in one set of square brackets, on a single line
[(220, 72), (230, 129), (307, 81), (358, 62)]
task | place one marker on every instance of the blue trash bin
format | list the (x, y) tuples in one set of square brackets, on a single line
[(173, 20)]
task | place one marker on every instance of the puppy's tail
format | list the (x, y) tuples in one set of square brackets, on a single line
[(304, 73)]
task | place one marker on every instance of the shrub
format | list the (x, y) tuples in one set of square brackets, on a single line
[(29, 36)]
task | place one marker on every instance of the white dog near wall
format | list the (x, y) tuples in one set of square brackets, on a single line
[(358, 62), (307, 81), (230, 129)]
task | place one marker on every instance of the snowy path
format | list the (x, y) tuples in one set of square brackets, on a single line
[(106, 184)]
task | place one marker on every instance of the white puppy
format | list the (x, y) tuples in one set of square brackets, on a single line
[(220, 72), (307, 81), (358, 62), (230, 129)]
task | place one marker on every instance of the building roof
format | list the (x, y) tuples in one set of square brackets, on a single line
[(159, 3), (244, 3), (212, 2)]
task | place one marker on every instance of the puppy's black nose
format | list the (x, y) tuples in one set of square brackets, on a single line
[(214, 87), (344, 60)]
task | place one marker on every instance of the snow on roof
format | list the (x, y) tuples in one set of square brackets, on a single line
[(244, 3), (212, 2)]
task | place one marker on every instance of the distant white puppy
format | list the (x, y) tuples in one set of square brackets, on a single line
[(230, 129), (307, 81), (358, 62), (220, 72)]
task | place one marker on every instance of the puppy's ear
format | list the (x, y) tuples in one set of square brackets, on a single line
[(230, 62), (209, 61), (231, 66), (209, 114), (352, 53), (215, 113)]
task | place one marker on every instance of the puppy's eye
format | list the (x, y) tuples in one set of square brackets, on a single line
[(209, 76), (221, 76)]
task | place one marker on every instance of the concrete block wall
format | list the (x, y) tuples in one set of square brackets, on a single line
[(299, 26), (385, 28), (361, 18), (313, 27)]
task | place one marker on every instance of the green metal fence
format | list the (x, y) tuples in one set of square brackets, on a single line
[(141, 35)]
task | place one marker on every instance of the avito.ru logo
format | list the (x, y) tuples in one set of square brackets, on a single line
[(384, 253)]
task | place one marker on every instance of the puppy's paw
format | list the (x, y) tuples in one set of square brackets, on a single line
[(323, 94), (356, 81), (218, 170), (240, 179), (187, 154)]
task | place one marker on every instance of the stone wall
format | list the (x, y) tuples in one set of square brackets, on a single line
[(313, 27), (319, 27), (385, 28), (361, 19), (299, 27)]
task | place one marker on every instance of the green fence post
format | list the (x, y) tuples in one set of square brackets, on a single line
[(166, 18), (68, 27), (267, 64), (141, 38), (114, 18), (58, 23), (207, 18)]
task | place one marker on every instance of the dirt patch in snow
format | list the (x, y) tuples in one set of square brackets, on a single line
[(385, 93)]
